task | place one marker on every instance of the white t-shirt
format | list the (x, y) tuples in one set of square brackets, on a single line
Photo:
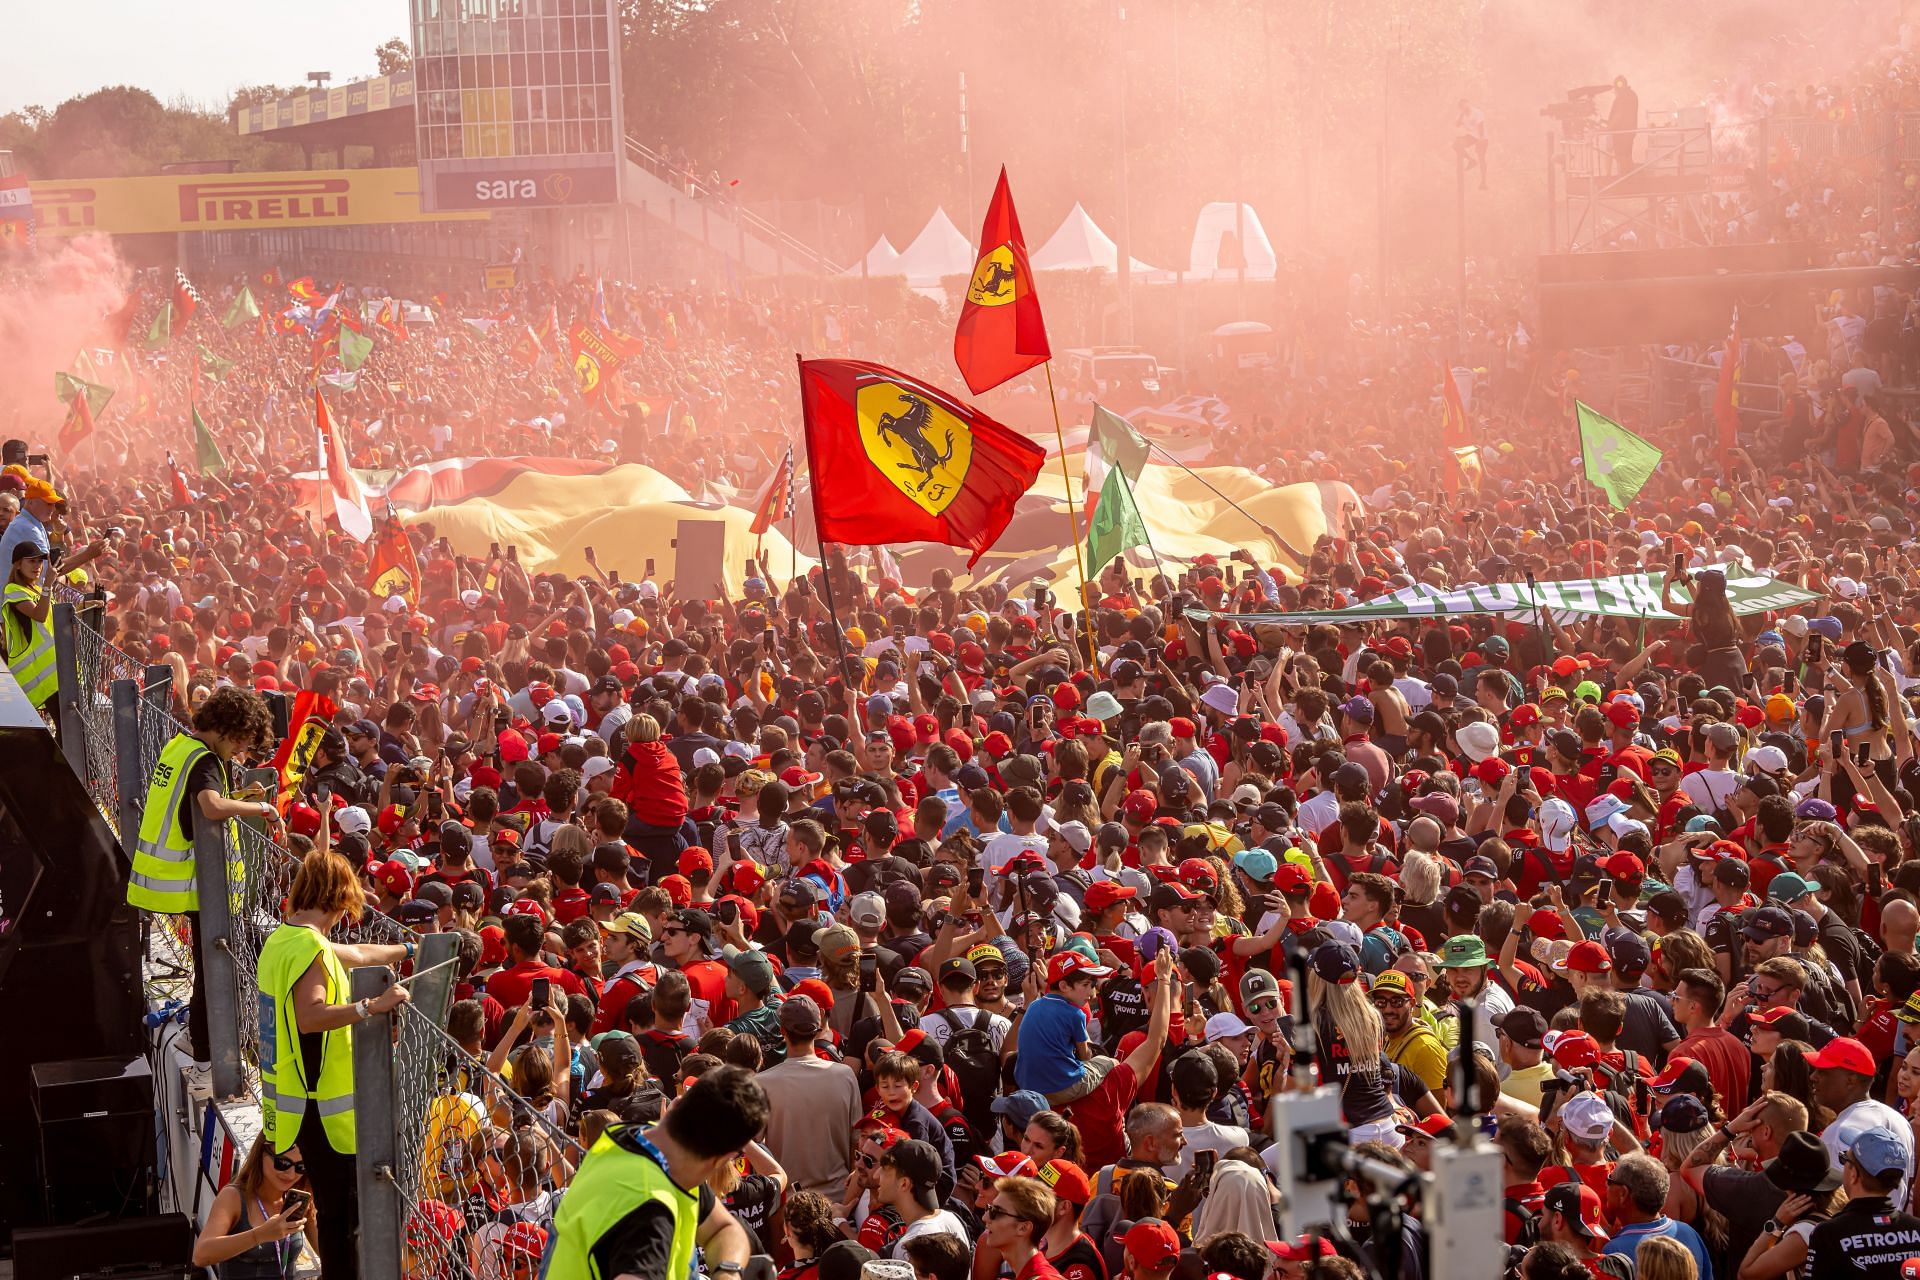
[(941, 1223), (1220, 1138), (1318, 812), (1856, 1120), (1006, 846), (1711, 788), (938, 1031)]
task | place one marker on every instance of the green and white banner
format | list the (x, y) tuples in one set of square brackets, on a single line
[(1626, 595)]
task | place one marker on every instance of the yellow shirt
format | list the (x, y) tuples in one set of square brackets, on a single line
[(1420, 1051), (1523, 1083)]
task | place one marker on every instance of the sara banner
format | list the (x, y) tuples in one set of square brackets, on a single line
[(277, 201), (1626, 595)]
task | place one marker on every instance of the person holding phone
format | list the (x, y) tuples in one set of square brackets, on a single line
[(258, 1222)]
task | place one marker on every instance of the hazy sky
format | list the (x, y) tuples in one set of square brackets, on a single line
[(197, 49)]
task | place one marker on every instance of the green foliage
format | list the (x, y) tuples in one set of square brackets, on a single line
[(394, 56), (121, 131)]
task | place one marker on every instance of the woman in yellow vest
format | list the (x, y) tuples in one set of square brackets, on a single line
[(640, 1201), (190, 785), (306, 1042), (29, 638)]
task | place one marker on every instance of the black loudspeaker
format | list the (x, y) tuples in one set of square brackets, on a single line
[(95, 1117), (160, 1248)]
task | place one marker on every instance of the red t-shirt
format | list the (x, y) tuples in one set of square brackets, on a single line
[(571, 904), (1101, 1115), (1728, 1061), (1594, 1175), (512, 985), (708, 981)]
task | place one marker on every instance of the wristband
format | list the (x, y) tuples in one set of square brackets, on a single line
[(410, 948)]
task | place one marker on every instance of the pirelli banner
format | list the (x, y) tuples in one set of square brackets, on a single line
[(286, 201)]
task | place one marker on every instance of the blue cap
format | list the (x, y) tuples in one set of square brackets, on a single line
[(1880, 1153), (1828, 626), (1771, 638), (1256, 864), (1020, 1107)]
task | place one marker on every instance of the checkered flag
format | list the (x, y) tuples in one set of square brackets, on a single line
[(186, 298)]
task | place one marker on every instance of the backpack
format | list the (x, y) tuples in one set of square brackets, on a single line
[(1529, 1222), (975, 1064), (1344, 864), (1630, 1082)]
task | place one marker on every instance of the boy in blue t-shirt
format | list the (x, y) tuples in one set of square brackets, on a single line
[(1054, 1057)]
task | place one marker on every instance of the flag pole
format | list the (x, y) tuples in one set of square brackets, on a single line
[(826, 563), (1283, 545), (1073, 517)]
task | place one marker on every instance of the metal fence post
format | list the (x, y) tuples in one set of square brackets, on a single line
[(376, 1123), (66, 701), (157, 681), (433, 994), (222, 982), (129, 780)]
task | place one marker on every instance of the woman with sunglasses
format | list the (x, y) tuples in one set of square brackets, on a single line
[(254, 1229)]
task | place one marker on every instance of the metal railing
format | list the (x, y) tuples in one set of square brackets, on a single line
[(691, 185), (115, 718)]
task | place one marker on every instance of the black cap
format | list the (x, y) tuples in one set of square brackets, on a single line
[(1523, 1025), (438, 892), (455, 836), (1766, 923), (958, 965), (1111, 835), (1628, 951), (919, 1164), (1271, 816), (911, 982), (1445, 685), (844, 1260)]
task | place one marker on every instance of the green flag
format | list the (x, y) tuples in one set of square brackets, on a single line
[(66, 386), (1116, 524), (354, 348), (1112, 441), (241, 309), (1618, 462), (160, 333), (213, 366), (206, 450)]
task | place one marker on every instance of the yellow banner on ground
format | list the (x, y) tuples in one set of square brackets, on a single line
[(278, 201)]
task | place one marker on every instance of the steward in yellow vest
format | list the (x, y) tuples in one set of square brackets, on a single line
[(29, 639), (190, 785), (641, 1200), (307, 1014)]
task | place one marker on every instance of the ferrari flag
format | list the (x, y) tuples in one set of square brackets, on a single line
[(1000, 333), (894, 460)]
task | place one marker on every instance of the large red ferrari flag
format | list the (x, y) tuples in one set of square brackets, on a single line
[(895, 460), (1000, 333)]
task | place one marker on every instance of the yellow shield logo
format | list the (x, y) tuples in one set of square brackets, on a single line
[(586, 373), (915, 443), (995, 279)]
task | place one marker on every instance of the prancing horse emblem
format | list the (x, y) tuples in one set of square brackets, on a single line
[(911, 428)]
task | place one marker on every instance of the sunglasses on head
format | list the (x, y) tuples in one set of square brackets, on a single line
[(284, 1165)]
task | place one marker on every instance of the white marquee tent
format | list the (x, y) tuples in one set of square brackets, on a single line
[(1080, 245), (881, 260), (937, 252), (1214, 233)]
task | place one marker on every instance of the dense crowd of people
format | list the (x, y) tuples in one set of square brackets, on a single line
[(949, 929)]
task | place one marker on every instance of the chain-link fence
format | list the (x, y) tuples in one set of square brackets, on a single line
[(98, 664), (452, 1118)]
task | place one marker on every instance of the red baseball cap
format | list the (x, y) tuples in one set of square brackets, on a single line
[(1675, 1068), (525, 907), (1585, 957), (395, 879), (1625, 866), (1152, 1244), (1140, 806), (1102, 894), (1572, 1048), (1844, 1054), (1432, 1126), (1068, 1180), (1767, 1017), (549, 742), (693, 859), (1305, 1249), (1194, 872), (1008, 1164), (1066, 964)]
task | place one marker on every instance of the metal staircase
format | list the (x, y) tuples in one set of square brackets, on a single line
[(681, 200)]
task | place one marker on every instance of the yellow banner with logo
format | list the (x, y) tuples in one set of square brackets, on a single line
[(280, 201)]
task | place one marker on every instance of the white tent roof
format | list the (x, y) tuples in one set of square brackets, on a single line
[(1080, 245), (937, 252), (1216, 228), (881, 260)]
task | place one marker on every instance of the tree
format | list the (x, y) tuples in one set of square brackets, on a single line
[(256, 95), (395, 56)]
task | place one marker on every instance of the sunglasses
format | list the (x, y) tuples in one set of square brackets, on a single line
[(1262, 1006), (668, 933), (284, 1165), (867, 1161), (1390, 1002), (993, 1211)]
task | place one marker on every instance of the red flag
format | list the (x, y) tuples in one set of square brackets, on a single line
[(311, 714), (186, 299), (304, 290), (118, 324), (1726, 397), (339, 491), (182, 496), (78, 426), (909, 463), (1000, 332), (393, 569), (390, 318), (776, 500), (1454, 433)]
